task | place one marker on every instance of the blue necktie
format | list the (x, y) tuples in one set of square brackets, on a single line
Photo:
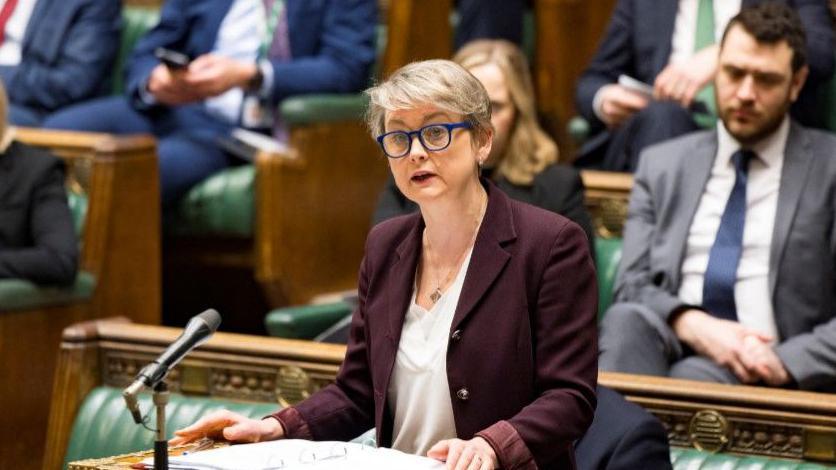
[(721, 273)]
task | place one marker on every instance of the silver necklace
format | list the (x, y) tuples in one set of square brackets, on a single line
[(440, 282)]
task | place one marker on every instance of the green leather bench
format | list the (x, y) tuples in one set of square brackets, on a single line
[(103, 427), (19, 294), (307, 321)]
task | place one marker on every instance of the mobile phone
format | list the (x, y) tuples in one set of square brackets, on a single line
[(172, 59), (636, 86)]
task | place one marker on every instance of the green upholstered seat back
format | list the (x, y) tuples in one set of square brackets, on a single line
[(692, 459), (607, 257), (78, 209), (104, 427), (223, 204), (135, 22)]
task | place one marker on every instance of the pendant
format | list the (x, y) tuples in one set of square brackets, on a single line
[(435, 295)]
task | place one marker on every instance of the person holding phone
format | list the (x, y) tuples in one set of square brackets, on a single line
[(55, 53), (242, 58)]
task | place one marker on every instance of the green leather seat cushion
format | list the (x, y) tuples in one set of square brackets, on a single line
[(19, 294), (222, 204), (306, 321)]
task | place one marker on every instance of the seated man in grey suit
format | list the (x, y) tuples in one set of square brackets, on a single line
[(729, 265)]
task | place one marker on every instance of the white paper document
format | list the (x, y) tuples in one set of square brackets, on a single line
[(295, 454)]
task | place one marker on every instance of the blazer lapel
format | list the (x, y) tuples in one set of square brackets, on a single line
[(797, 160), (401, 280), (489, 257), (691, 185)]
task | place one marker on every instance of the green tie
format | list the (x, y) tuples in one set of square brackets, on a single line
[(703, 39)]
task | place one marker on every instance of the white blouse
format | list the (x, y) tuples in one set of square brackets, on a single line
[(418, 391)]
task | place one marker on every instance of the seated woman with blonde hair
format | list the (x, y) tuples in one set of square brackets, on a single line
[(523, 159), (474, 339)]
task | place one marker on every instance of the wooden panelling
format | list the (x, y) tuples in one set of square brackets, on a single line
[(121, 248)]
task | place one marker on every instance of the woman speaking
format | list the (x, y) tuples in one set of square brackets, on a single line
[(474, 341)]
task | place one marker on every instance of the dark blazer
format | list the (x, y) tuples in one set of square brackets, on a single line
[(68, 53), (332, 43), (668, 186), (623, 436), (522, 355), (37, 238), (558, 188), (638, 43)]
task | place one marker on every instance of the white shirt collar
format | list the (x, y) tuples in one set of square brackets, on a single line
[(770, 149)]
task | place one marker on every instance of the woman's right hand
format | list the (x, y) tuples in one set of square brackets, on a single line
[(229, 426)]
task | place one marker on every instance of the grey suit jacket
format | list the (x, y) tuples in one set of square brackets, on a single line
[(802, 267)]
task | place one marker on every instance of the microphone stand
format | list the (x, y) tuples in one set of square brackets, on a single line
[(160, 398)]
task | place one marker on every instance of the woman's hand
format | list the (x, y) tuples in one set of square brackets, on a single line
[(230, 426), (475, 454)]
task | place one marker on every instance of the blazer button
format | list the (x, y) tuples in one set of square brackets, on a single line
[(457, 335), (463, 394)]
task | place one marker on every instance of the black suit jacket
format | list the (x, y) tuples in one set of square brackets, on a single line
[(623, 436), (37, 237), (558, 189), (638, 43)]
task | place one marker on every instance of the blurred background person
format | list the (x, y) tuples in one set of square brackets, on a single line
[(522, 161), (54, 53), (37, 238), (242, 58), (672, 47)]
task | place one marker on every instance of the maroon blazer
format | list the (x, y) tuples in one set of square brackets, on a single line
[(522, 353)]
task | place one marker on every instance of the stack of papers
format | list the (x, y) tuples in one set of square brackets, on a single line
[(295, 454)]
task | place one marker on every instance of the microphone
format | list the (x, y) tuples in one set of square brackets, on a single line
[(197, 331)]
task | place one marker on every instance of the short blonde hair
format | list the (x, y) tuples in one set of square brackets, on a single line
[(441, 83), (530, 150)]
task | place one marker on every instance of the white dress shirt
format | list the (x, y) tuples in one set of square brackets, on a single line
[(419, 392), (239, 37), (12, 47), (752, 295), (685, 26)]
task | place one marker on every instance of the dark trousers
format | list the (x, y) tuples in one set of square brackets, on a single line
[(619, 149), (187, 136)]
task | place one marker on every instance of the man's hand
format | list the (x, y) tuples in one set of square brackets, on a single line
[(618, 104), (761, 359), (169, 87), (723, 341), (475, 454), (210, 75), (681, 82)]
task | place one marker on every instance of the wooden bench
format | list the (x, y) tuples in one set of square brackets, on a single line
[(120, 257)]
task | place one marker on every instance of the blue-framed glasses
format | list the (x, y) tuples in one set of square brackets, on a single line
[(434, 138)]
